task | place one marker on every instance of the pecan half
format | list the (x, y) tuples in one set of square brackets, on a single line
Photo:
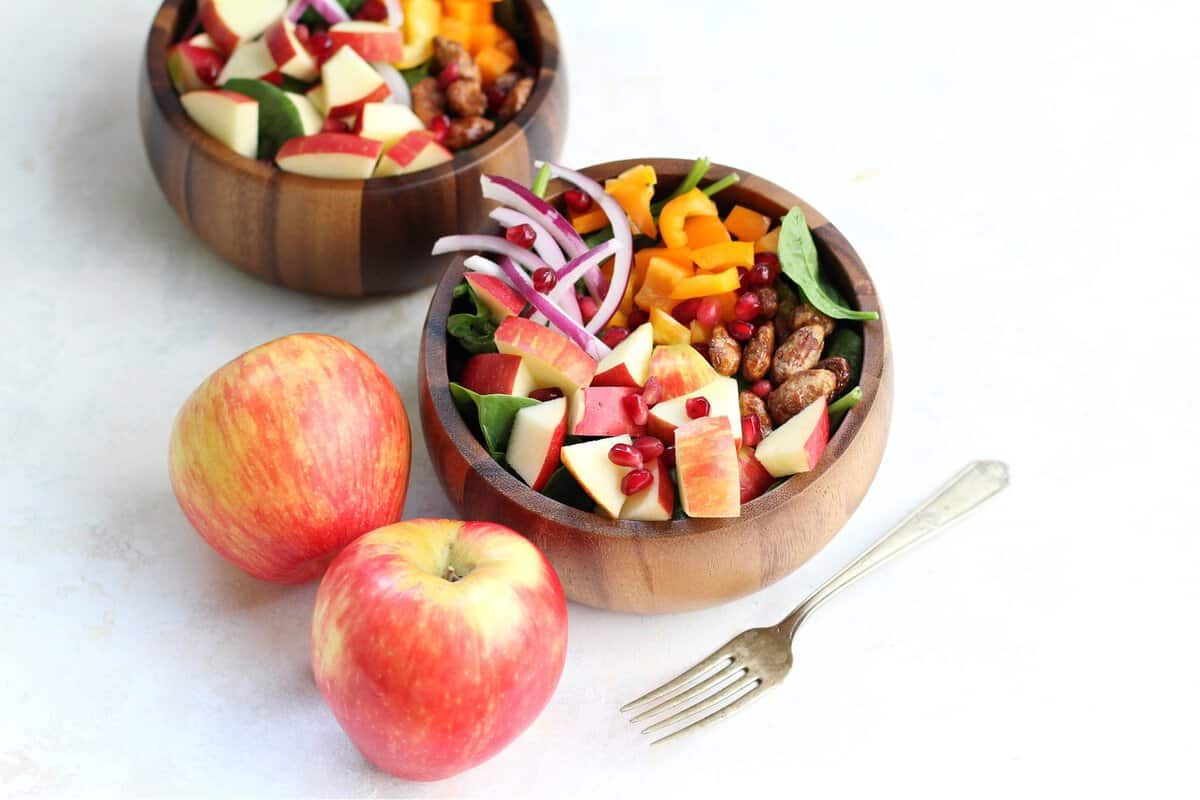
[(768, 298), (750, 403), (806, 314), (466, 98), (801, 351), (428, 100), (507, 81), (724, 352), (466, 131), (787, 300), (800, 391), (840, 368), (756, 360), (516, 99)]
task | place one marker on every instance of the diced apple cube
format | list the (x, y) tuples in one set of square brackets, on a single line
[(599, 411), (629, 362), (589, 464), (330, 155), (655, 503), (535, 444), (722, 396), (554, 360), (797, 445), (706, 466), (228, 117), (497, 373)]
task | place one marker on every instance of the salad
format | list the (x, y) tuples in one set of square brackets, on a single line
[(645, 358), (352, 89)]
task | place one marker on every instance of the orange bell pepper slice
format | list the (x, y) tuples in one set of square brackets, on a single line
[(493, 63), (724, 255), (635, 199), (680, 255), (747, 225), (662, 277), (703, 231), (589, 221), (705, 284), (667, 329), (676, 213)]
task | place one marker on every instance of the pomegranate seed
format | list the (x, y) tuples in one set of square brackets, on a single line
[(301, 33), (708, 313), (685, 312), (637, 317), (587, 309), (649, 446), (740, 330), (522, 236), (770, 261), (614, 336), (668, 456), (625, 455), (334, 125), (320, 44), (372, 11), (698, 407), (439, 126), (761, 388), (636, 408), (544, 278), (652, 391), (760, 275), (578, 202), (751, 430), (747, 307), (495, 98), (208, 74), (448, 75), (636, 481), (544, 395)]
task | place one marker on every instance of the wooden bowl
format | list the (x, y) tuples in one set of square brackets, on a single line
[(342, 238), (658, 567)]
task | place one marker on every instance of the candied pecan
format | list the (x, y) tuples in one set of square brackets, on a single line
[(506, 81), (800, 391), (447, 52), (516, 99), (756, 360), (768, 298), (801, 351), (466, 131), (466, 98), (428, 100), (724, 352), (840, 368), (750, 403), (806, 314), (787, 300)]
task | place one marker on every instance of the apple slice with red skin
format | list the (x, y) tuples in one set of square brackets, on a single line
[(655, 503), (754, 476), (374, 41), (193, 67), (253, 61), (229, 117), (310, 119), (680, 369), (535, 444), (554, 360), (706, 466), (387, 123), (589, 464), (416, 151), (722, 397), (500, 299), (231, 23), (796, 445), (330, 155), (599, 411), (497, 373), (629, 362), (289, 53), (350, 83)]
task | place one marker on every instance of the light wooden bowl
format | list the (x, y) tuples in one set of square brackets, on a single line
[(341, 238), (687, 564)]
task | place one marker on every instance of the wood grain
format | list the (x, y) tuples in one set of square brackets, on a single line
[(687, 564), (340, 238)]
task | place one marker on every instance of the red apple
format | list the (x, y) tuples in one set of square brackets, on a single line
[(629, 362), (437, 642), (655, 503), (589, 464), (797, 445), (554, 360), (680, 369), (289, 452), (193, 67), (536, 441), (722, 396), (497, 373), (252, 60), (754, 476), (230, 23), (374, 41), (501, 299), (330, 155), (350, 83), (599, 411), (706, 466), (289, 53), (387, 123), (415, 151)]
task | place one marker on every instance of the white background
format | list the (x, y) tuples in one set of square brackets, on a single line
[(1022, 180)]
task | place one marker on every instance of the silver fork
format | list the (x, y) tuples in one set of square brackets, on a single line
[(739, 671)]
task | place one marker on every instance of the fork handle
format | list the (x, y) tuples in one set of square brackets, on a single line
[(967, 490)]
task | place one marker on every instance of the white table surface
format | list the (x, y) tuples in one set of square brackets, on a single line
[(1021, 181)]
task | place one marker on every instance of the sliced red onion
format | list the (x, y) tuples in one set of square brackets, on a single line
[(395, 83), (395, 13), (485, 267), (296, 10), (543, 243), (577, 267), (622, 235), (331, 10), (516, 196)]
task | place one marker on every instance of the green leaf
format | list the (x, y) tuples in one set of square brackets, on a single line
[(798, 254), (493, 414), (563, 487), (475, 332), (839, 407), (849, 345), (414, 75)]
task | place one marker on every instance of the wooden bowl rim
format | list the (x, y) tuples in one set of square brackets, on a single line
[(861, 290), (545, 31)]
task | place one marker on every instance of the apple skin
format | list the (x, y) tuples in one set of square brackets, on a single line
[(754, 478), (501, 299), (430, 677), (289, 452), (680, 369)]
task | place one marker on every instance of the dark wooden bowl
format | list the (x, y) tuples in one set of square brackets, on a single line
[(658, 567), (342, 238)]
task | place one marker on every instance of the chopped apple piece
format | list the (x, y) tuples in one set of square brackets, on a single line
[(797, 445), (330, 155), (599, 411), (193, 67), (680, 369), (655, 503), (350, 83), (374, 41), (316, 96), (536, 441), (629, 362), (706, 466), (386, 123), (252, 60), (228, 117), (289, 54), (497, 373), (589, 464), (232, 22), (554, 360), (754, 476), (722, 396), (500, 299), (416, 150), (310, 119)]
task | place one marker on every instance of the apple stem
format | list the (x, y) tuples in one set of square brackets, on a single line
[(451, 575)]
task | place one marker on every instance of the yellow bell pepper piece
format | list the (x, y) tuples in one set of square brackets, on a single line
[(631, 286), (724, 255), (635, 199), (703, 285), (676, 213), (768, 243), (747, 225), (662, 276), (704, 231), (667, 329), (456, 29), (421, 21), (680, 255), (642, 173), (700, 334)]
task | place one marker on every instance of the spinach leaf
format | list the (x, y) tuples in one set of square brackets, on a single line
[(475, 332), (798, 254), (492, 413), (849, 345), (563, 487), (414, 75)]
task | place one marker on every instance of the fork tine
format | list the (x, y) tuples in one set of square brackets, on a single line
[(717, 660), (705, 704), (716, 716), (734, 670)]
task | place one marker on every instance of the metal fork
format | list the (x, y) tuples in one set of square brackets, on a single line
[(739, 671)]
